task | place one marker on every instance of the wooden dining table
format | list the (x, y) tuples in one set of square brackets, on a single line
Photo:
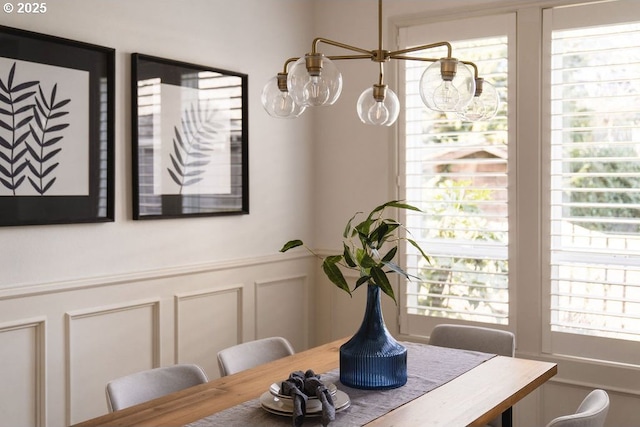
[(472, 399)]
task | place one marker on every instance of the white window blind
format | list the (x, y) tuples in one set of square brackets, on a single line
[(457, 173), (594, 124)]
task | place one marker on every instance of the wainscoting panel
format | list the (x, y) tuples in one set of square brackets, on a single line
[(283, 309), (207, 322), (22, 386), (101, 328), (107, 343)]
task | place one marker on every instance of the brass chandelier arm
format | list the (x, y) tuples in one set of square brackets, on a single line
[(318, 40), (335, 58), (475, 68), (413, 58), (285, 69), (289, 61), (381, 76), (423, 47), (374, 55)]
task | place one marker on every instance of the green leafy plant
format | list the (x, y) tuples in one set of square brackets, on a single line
[(362, 248)]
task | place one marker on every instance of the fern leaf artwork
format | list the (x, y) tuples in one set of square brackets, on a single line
[(49, 115), (16, 114), (193, 145)]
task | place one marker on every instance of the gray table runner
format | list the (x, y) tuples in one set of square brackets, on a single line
[(428, 368)]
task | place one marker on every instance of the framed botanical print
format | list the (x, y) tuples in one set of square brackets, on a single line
[(56, 130), (190, 141)]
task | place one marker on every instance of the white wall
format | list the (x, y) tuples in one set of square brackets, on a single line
[(84, 303), (217, 33)]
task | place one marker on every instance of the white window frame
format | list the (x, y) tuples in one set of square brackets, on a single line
[(554, 342), (498, 24)]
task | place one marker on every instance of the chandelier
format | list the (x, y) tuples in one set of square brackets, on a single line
[(447, 84)]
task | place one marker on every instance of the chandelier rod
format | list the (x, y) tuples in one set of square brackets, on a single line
[(380, 25)]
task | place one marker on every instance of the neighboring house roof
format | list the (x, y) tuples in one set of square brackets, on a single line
[(471, 152)]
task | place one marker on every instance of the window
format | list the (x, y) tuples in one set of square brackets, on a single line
[(570, 259), (457, 173), (594, 176)]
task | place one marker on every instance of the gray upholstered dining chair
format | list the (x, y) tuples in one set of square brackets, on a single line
[(476, 338), (252, 353), (592, 412), (150, 384)]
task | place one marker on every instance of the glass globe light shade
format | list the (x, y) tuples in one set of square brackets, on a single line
[(483, 106), (378, 105), (279, 103), (474, 111), (442, 91), (314, 81), (491, 100)]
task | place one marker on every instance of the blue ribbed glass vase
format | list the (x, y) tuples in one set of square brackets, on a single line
[(372, 359)]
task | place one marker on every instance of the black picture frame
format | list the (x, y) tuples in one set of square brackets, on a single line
[(56, 130), (190, 139)]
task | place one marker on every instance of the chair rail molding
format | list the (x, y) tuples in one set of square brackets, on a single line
[(33, 289)]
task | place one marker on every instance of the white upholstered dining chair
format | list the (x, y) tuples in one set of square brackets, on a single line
[(252, 353), (592, 412), (146, 385), (476, 338)]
